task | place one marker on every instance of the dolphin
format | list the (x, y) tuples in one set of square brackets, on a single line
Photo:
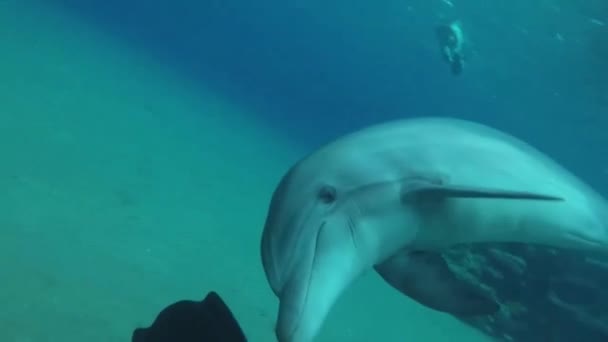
[(392, 196)]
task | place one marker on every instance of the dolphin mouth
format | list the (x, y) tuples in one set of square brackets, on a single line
[(309, 264), (330, 264), (283, 249), (350, 222)]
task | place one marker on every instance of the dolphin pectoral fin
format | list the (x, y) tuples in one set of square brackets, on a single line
[(324, 270), (426, 278), (430, 189)]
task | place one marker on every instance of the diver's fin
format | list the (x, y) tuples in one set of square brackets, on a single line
[(430, 189), (426, 278), (190, 321)]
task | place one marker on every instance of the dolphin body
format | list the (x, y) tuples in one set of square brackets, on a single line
[(390, 197)]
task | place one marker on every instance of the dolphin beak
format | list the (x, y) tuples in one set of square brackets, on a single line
[(330, 264)]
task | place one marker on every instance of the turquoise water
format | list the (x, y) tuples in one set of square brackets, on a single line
[(137, 170)]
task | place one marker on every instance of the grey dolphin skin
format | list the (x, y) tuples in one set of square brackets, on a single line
[(390, 197)]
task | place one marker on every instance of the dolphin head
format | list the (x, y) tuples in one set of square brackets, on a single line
[(305, 252), (317, 240)]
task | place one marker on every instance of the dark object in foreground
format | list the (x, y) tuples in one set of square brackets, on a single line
[(209, 320)]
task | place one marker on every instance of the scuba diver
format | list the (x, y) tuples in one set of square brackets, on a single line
[(209, 320), (451, 40)]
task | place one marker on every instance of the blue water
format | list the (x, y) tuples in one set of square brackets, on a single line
[(319, 69), (309, 71)]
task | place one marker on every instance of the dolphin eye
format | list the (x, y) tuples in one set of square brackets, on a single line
[(327, 194)]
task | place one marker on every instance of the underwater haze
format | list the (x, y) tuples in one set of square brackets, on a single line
[(142, 141)]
